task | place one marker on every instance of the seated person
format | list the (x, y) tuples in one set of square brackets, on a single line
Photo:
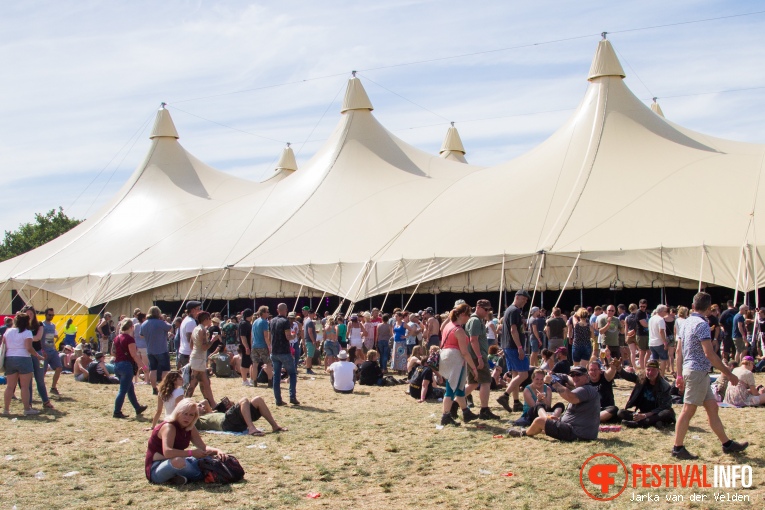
[(220, 362), (67, 358), (548, 360), (370, 373), (81, 365), (746, 392), (604, 382), (168, 457), (422, 385), (418, 352), (581, 421), (342, 373), (238, 417), (538, 395), (651, 396), (562, 364), (720, 386), (169, 394), (496, 365), (98, 373)]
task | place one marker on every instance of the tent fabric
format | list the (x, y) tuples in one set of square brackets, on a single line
[(452, 148), (617, 188)]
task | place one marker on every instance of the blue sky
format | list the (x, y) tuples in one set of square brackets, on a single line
[(82, 80)]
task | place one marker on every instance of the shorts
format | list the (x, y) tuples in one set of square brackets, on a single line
[(52, 358), (534, 343), (615, 351), (159, 362), (21, 365), (198, 365), (630, 340), (642, 343), (484, 374), (81, 378), (671, 341), (740, 344), (559, 430), (697, 387), (436, 340), (660, 353), (234, 421), (554, 343), (231, 349), (514, 363), (246, 360), (331, 349), (310, 349), (143, 352), (727, 343), (260, 355), (581, 352)]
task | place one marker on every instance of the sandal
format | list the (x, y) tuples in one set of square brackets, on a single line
[(257, 433), (280, 429)]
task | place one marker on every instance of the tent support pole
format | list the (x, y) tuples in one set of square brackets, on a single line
[(418, 283), (738, 275), (395, 273), (701, 265), (321, 300), (501, 284), (435, 299), (756, 276), (567, 279), (536, 282), (745, 289)]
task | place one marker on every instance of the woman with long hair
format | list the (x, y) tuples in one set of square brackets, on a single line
[(39, 372), (124, 352), (454, 357), (200, 342), (19, 360), (582, 346), (170, 392)]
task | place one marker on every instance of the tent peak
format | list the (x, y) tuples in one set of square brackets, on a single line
[(356, 97), (452, 147), (656, 108), (163, 124), (605, 62), (287, 160)]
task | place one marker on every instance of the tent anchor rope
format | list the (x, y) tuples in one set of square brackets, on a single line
[(325, 292), (568, 278), (191, 287), (395, 273), (536, 283), (424, 275)]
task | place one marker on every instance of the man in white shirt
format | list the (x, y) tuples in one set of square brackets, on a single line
[(187, 328), (657, 338), (342, 374)]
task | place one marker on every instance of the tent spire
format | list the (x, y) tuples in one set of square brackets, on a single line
[(287, 160), (356, 97), (163, 124), (452, 147), (656, 108), (605, 62)]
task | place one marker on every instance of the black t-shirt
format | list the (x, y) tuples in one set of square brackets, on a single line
[(647, 400), (631, 322), (714, 325), (641, 316), (415, 388), (556, 325), (369, 373), (212, 330), (606, 390), (278, 326), (512, 317), (562, 367), (245, 330), (726, 320)]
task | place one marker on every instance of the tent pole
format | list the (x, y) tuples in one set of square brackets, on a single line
[(501, 283), (745, 290), (424, 275), (738, 274), (581, 296), (390, 286), (536, 282), (321, 300), (567, 279), (435, 299), (701, 266), (756, 276), (180, 309)]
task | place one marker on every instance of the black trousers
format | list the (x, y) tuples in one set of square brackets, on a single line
[(666, 416)]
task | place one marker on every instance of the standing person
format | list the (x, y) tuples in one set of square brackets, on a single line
[(512, 343), (154, 330), (261, 344), (555, 329), (478, 347), (200, 342), (70, 333), (714, 327), (370, 328), (491, 330), (39, 372), (535, 335), (642, 332), (281, 334), (726, 323), (124, 352), (383, 335), (50, 352), (657, 338), (140, 344), (413, 329), (399, 344), (694, 359), (432, 327), (673, 327), (342, 330), (630, 334), (245, 343), (309, 339), (19, 360), (104, 332), (582, 344), (187, 328), (331, 346), (739, 332), (608, 329), (454, 357), (230, 336), (355, 333)]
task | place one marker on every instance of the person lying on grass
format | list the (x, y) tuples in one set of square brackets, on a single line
[(168, 457), (239, 417)]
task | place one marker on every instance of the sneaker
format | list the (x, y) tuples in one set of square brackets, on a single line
[(630, 424), (155, 391), (454, 411), (247, 383), (517, 406), (119, 415), (294, 401), (516, 432), (309, 371), (54, 391), (735, 447), (447, 419), (486, 414), (177, 480), (140, 409), (32, 412), (504, 401), (683, 454), (468, 415)]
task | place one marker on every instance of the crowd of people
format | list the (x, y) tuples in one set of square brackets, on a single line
[(667, 354)]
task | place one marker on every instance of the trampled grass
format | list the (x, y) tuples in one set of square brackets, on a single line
[(374, 449)]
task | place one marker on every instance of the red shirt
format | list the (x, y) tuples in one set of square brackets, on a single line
[(122, 347), (182, 441)]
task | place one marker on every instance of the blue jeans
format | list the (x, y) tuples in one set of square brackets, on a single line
[(124, 372), (287, 362), (383, 348), (298, 352), (39, 378), (162, 470)]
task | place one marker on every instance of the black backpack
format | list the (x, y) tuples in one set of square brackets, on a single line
[(216, 470)]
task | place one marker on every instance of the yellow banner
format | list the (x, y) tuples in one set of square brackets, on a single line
[(85, 324)]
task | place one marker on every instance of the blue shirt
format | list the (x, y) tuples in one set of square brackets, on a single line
[(738, 319), (154, 332), (259, 327)]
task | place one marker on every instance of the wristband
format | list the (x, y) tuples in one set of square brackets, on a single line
[(188, 453)]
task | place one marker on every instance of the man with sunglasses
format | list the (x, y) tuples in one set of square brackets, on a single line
[(50, 352)]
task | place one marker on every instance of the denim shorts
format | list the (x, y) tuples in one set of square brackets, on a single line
[(331, 348), (52, 358), (660, 353), (159, 362), (534, 343), (581, 352), (18, 365)]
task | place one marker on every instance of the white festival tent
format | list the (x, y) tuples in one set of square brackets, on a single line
[(622, 198)]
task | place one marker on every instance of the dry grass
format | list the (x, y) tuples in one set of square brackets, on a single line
[(372, 449)]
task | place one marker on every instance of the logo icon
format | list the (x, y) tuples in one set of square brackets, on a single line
[(602, 471)]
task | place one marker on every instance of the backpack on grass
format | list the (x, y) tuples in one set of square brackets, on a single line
[(216, 470)]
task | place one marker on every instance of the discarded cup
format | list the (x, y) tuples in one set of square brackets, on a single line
[(484, 471), (439, 427), (287, 457), (40, 475), (313, 495), (71, 474), (126, 440), (9, 457)]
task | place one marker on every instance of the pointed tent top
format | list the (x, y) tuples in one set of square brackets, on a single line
[(605, 62), (163, 125), (287, 160), (356, 97), (452, 142), (656, 108)]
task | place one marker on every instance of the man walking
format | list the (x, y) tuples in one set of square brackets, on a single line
[(49, 350), (261, 345), (281, 334), (657, 338), (512, 343), (479, 351), (187, 328), (245, 341), (155, 330)]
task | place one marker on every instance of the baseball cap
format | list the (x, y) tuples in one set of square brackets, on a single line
[(652, 364), (429, 310), (577, 370), (561, 350), (534, 309), (522, 293), (190, 305), (247, 313), (306, 308), (484, 303)]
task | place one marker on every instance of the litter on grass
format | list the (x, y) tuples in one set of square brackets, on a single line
[(313, 495), (126, 440), (439, 427), (484, 471), (71, 474), (9, 457), (40, 475)]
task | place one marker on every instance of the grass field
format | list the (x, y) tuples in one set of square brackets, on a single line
[(373, 449)]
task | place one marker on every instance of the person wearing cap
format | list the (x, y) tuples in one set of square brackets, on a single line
[(154, 330), (80, 369), (512, 343), (478, 347), (746, 393), (694, 359), (432, 327), (281, 334), (650, 397), (580, 421), (187, 328), (342, 374)]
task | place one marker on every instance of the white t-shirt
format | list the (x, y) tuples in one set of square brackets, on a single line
[(187, 328), (655, 325), (15, 341), (170, 403), (343, 373)]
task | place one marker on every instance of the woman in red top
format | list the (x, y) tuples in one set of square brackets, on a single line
[(454, 357), (125, 350), (168, 457)]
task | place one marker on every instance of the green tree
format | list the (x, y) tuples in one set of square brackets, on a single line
[(29, 236)]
